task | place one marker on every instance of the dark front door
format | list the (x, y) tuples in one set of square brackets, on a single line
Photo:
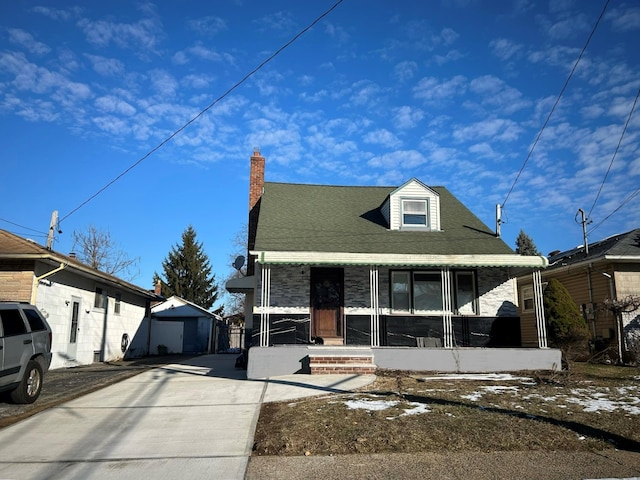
[(326, 302)]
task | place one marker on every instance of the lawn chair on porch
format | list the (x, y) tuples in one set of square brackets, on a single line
[(423, 342)]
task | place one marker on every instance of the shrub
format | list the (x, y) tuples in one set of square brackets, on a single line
[(566, 329)]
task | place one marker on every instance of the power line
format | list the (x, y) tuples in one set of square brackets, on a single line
[(22, 226), (564, 87), (624, 202), (202, 112), (633, 107)]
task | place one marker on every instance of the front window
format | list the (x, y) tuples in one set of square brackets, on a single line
[(427, 291), (421, 292), (416, 291), (414, 213)]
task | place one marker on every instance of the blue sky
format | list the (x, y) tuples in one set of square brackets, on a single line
[(453, 93)]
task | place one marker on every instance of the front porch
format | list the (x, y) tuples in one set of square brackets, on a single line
[(278, 360)]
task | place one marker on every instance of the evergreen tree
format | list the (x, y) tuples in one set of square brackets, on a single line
[(566, 328), (525, 245), (187, 273)]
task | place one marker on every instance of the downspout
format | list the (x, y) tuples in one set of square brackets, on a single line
[(36, 280)]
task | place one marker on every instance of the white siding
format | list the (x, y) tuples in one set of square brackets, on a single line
[(413, 189), (96, 331)]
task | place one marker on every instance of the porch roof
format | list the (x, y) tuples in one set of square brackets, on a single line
[(340, 258), (320, 224)]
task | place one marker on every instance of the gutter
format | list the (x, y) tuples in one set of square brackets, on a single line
[(36, 280)]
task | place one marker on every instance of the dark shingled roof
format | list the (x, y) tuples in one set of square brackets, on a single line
[(620, 245), (320, 218)]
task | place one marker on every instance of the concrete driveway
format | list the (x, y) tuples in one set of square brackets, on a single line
[(187, 420)]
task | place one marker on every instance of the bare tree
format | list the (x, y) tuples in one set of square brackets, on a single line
[(626, 305), (97, 249), (234, 302)]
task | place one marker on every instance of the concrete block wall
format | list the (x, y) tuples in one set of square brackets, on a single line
[(55, 297)]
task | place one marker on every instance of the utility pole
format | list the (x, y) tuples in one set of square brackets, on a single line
[(52, 229), (584, 222)]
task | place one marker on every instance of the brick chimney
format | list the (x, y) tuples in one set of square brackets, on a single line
[(256, 178), (256, 187)]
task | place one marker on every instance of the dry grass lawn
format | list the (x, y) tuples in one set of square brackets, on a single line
[(591, 407)]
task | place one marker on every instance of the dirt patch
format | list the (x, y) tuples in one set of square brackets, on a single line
[(64, 384), (591, 408)]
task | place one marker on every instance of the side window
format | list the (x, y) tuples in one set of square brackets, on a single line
[(100, 298), (527, 298), (116, 305), (12, 323), (35, 322)]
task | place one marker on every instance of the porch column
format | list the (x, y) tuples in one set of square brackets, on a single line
[(374, 288), (541, 323), (265, 301), (447, 308)]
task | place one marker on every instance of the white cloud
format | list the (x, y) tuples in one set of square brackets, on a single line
[(209, 25), (26, 40), (141, 37), (432, 89), (113, 104), (407, 117), (504, 48), (494, 92), (106, 66), (495, 129), (382, 137), (625, 18), (405, 70), (163, 83), (403, 159), (337, 33), (451, 56)]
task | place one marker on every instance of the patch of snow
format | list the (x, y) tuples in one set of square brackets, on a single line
[(417, 409), (370, 405), (478, 376)]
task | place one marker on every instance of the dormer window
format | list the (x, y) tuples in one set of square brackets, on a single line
[(415, 212), (413, 206)]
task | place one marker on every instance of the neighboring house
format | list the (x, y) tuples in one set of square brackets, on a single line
[(605, 270), (182, 327), (94, 316), (367, 275)]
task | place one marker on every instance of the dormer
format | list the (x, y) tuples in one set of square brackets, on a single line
[(413, 206)]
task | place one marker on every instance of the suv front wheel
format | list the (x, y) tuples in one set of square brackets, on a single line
[(31, 384)]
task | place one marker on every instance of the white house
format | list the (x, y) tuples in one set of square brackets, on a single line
[(94, 316), (182, 327)]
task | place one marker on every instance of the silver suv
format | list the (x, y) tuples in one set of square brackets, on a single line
[(25, 350)]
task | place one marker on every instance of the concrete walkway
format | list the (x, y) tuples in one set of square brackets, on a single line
[(190, 420)]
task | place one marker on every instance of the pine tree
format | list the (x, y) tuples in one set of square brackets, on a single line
[(525, 245), (187, 273), (566, 328)]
